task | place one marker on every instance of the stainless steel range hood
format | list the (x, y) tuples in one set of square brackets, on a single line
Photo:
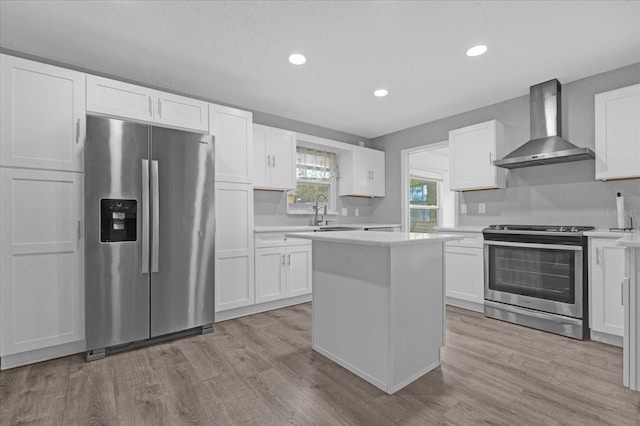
[(546, 145)]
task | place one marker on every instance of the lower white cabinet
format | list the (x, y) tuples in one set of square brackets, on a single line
[(465, 273), (607, 274), (234, 249), (41, 264), (283, 271)]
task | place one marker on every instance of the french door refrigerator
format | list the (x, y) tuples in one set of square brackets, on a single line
[(149, 223)]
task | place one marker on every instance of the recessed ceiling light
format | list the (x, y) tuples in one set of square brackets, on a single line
[(380, 93), (477, 50), (297, 59)]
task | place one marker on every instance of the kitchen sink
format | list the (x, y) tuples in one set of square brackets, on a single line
[(334, 228)]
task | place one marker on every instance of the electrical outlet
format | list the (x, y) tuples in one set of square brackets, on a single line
[(482, 208), (345, 212), (357, 212), (463, 208)]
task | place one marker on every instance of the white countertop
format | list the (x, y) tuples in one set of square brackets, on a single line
[(605, 233), (379, 239), (630, 240), (285, 228)]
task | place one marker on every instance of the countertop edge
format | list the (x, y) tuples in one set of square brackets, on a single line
[(362, 239)]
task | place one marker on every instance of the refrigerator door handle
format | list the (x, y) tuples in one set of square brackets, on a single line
[(155, 242), (145, 217)]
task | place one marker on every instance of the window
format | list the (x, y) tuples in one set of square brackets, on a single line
[(316, 173), (423, 203)]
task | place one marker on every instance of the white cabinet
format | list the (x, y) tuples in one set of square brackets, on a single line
[(283, 271), (362, 173), (233, 132), (42, 110), (464, 263), (41, 261), (274, 158), (472, 151), (123, 100), (618, 133), (234, 248), (607, 272)]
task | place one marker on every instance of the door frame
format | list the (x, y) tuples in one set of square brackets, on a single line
[(404, 179)]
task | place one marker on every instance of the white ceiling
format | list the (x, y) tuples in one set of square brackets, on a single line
[(236, 52)]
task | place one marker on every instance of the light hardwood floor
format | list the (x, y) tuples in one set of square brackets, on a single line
[(260, 370)]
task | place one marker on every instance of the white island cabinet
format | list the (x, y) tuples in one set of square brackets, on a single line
[(378, 303), (631, 300)]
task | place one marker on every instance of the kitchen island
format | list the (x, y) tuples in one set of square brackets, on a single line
[(631, 298), (378, 303)]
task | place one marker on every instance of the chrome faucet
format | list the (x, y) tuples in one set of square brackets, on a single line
[(316, 208)]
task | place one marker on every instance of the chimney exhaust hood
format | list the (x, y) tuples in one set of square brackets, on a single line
[(546, 145)]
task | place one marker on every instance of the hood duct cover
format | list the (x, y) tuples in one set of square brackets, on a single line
[(546, 145)]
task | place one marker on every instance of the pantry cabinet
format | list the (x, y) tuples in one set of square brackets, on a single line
[(607, 273), (234, 247), (464, 266), (274, 158), (472, 151), (362, 172), (617, 121), (41, 265), (42, 110), (129, 101), (233, 132), (283, 271)]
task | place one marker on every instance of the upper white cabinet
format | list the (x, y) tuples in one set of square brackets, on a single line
[(42, 110), (233, 134), (607, 273), (124, 100), (234, 249), (274, 158), (618, 133), (472, 151), (41, 261), (362, 173)]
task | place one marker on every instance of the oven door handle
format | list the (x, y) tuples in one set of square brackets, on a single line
[(532, 245)]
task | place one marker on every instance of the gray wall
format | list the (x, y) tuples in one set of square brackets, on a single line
[(564, 193)]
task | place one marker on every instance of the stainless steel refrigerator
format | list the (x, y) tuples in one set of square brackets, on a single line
[(149, 223)]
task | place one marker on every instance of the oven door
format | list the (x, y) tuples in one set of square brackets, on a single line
[(544, 277)]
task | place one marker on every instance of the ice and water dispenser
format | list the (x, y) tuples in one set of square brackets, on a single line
[(118, 220)]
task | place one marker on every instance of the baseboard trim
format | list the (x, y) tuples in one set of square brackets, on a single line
[(44, 354), (262, 307), (465, 304), (606, 338)]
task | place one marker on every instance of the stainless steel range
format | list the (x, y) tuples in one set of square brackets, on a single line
[(537, 276)]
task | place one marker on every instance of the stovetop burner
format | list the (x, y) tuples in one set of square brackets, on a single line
[(540, 228)]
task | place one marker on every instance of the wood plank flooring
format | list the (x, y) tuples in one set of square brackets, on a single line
[(260, 370)]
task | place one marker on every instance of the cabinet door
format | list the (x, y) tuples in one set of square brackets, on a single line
[(233, 132), (261, 157), (42, 110), (361, 168), (179, 111), (377, 173), (607, 274), (117, 99), (282, 146), (465, 273), (234, 246), (298, 270), (472, 152), (41, 260), (270, 274), (617, 133)]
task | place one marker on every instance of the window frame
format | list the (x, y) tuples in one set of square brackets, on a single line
[(431, 176), (332, 199)]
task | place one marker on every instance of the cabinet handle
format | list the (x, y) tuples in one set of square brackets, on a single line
[(289, 259), (274, 160), (373, 176), (78, 130), (597, 255), (159, 108), (622, 291), (78, 233), (283, 260), (150, 107), (268, 160)]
